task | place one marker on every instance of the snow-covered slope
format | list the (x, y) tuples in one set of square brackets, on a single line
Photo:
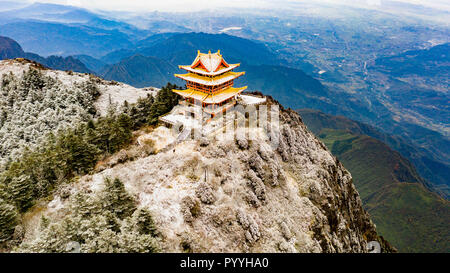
[(113, 92), (32, 104), (254, 197)]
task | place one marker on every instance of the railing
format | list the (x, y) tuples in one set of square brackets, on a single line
[(206, 109)]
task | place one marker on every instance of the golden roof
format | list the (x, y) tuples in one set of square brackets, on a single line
[(209, 64), (210, 98), (228, 76)]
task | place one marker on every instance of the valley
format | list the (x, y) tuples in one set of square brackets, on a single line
[(378, 84), (392, 191)]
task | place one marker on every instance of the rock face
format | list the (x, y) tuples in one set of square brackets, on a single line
[(252, 197)]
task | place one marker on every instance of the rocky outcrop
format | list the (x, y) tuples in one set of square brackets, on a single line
[(246, 195)]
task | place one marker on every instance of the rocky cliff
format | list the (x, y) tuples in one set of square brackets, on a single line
[(234, 195)]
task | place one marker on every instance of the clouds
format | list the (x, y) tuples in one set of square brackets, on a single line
[(195, 5), (152, 5)]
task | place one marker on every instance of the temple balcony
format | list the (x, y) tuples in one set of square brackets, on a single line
[(207, 109)]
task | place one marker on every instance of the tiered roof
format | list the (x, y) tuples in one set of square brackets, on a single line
[(210, 98), (209, 64), (210, 69), (225, 77)]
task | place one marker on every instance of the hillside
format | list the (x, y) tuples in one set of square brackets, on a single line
[(428, 168), (10, 49), (182, 48), (290, 86), (140, 71), (36, 101), (406, 213), (121, 190), (425, 62), (64, 39)]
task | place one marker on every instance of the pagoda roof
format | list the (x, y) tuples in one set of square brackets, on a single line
[(210, 98), (209, 64), (228, 76)]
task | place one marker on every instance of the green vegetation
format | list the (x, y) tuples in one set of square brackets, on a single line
[(8, 220), (411, 217), (105, 222), (428, 168), (407, 214), (74, 151), (33, 104), (63, 156)]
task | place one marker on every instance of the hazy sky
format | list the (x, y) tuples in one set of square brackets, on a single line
[(194, 5)]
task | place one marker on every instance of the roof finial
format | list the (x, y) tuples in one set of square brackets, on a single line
[(198, 51), (218, 51), (209, 52)]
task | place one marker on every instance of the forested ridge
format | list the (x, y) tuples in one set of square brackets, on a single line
[(34, 104), (63, 154)]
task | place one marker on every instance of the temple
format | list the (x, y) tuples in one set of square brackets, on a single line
[(209, 83), (210, 92)]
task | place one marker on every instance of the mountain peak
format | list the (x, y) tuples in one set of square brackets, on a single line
[(10, 49)]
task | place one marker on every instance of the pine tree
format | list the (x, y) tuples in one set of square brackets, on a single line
[(78, 155), (116, 199), (20, 190), (121, 132), (8, 220), (164, 102), (143, 222)]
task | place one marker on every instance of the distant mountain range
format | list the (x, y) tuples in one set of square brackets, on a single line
[(91, 63), (63, 39), (50, 29), (10, 49), (391, 189), (424, 62), (265, 71), (395, 165), (140, 71), (290, 86), (154, 60), (425, 165)]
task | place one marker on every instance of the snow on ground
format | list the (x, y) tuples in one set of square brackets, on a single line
[(119, 93), (162, 136), (251, 100), (110, 92), (153, 182), (251, 200), (68, 79), (16, 68), (187, 121)]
